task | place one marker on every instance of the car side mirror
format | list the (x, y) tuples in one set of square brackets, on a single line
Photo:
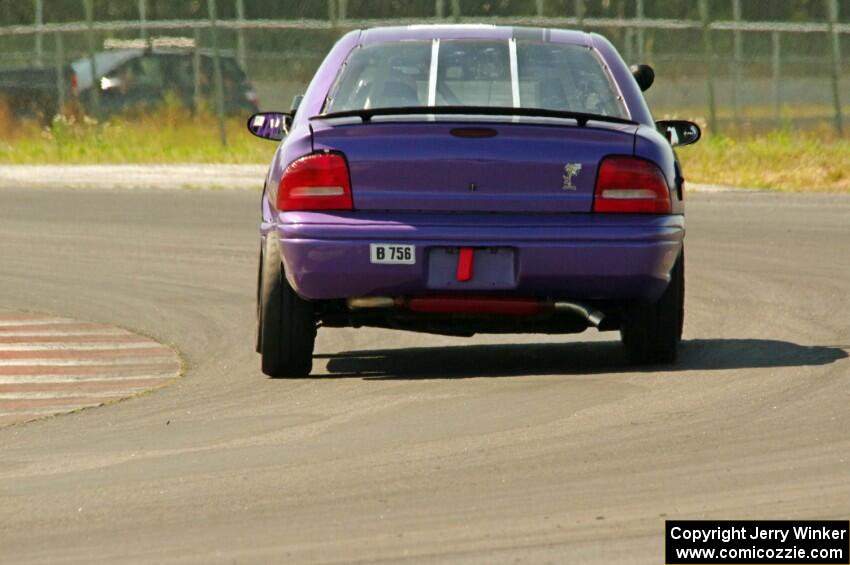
[(270, 125), (644, 75), (679, 132)]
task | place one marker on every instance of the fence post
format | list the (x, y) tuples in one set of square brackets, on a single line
[(240, 33), (777, 85), (332, 12), (456, 10), (39, 40), (143, 19), (832, 9), (736, 61), (219, 89), (60, 75), (640, 33), (196, 72), (709, 56), (580, 10), (440, 8), (94, 88)]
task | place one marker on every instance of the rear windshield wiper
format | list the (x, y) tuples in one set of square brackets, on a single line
[(367, 114)]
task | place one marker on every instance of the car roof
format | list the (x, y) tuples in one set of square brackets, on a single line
[(471, 31), (107, 61), (104, 62)]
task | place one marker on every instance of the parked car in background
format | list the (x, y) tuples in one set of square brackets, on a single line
[(33, 92), (140, 79), (464, 179), (137, 80)]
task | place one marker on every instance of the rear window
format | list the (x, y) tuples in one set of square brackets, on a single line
[(523, 73)]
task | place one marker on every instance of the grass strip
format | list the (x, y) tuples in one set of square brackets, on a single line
[(780, 160), (813, 161)]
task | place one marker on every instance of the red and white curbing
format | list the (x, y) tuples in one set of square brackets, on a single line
[(51, 365)]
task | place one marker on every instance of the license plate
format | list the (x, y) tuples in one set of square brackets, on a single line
[(391, 254), (493, 268)]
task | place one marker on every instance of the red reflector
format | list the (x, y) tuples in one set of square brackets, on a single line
[(464, 264), (315, 182), (631, 185), (476, 305)]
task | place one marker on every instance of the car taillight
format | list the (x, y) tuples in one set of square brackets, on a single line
[(631, 185), (75, 87), (315, 182)]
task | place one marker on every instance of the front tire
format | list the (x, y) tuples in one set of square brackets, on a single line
[(651, 333), (287, 328)]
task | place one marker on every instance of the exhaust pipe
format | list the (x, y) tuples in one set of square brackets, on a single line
[(366, 302), (593, 316)]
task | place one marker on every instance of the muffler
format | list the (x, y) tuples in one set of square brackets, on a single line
[(459, 304)]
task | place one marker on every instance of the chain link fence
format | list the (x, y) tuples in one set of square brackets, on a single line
[(711, 62)]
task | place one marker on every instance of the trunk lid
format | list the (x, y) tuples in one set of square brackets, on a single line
[(483, 166)]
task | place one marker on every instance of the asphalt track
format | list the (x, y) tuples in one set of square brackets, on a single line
[(405, 446)]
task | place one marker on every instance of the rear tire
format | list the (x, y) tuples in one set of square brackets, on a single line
[(651, 333), (287, 329)]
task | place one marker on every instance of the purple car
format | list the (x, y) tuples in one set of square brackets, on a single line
[(457, 179)]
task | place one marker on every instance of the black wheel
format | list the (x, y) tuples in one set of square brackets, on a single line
[(651, 332), (287, 329)]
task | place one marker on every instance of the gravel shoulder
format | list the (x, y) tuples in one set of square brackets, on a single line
[(185, 176)]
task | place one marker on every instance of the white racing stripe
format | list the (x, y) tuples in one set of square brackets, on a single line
[(50, 362), (71, 346), (432, 73), (514, 74)]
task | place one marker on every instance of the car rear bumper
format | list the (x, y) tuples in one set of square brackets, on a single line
[(569, 256)]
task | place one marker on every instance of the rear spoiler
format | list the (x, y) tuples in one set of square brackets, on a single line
[(367, 114)]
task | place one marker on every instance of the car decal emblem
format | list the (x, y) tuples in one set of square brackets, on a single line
[(570, 171)]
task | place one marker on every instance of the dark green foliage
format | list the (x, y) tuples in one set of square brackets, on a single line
[(22, 12)]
